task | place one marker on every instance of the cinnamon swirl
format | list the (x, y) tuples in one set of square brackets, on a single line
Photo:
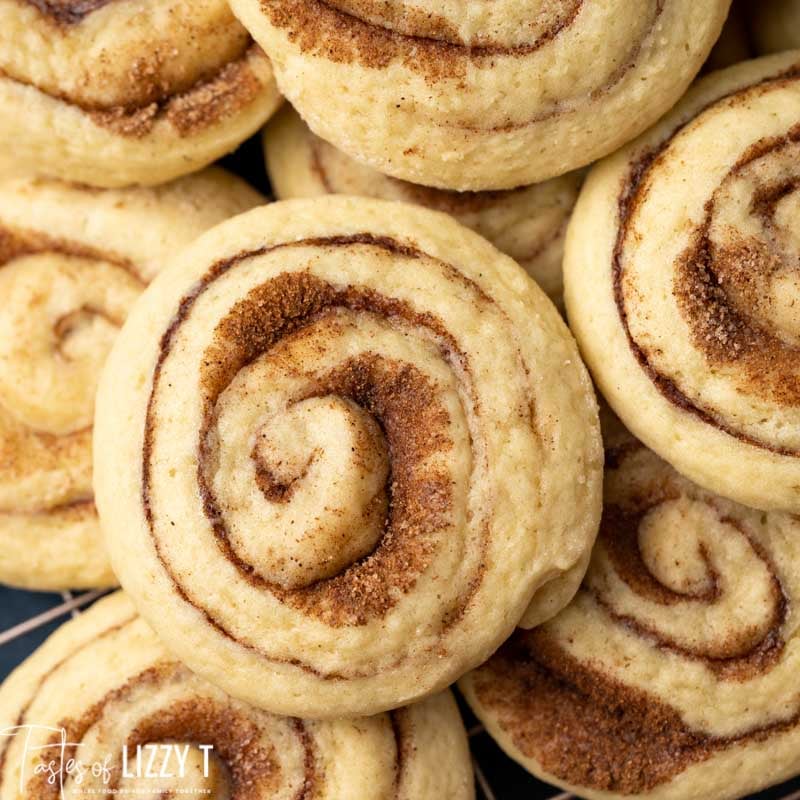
[(109, 93), (673, 672), (72, 262), (482, 94), (103, 709), (681, 283), (528, 223), (341, 445)]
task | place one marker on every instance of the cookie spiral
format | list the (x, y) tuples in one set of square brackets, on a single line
[(310, 473), (435, 96), (673, 673), (527, 224), (72, 263), (139, 695), (109, 93), (687, 240)]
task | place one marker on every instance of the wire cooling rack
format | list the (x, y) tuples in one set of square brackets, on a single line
[(28, 618)]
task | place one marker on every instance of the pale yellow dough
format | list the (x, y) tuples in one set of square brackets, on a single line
[(369, 446), (72, 262), (527, 224), (482, 94), (681, 283), (107, 682), (112, 93), (672, 675)]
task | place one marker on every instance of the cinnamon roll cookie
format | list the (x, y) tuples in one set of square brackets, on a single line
[(72, 262), (484, 94), (112, 93), (103, 709), (673, 673), (341, 445), (528, 223), (681, 283)]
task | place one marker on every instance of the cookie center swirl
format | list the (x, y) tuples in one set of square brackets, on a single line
[(708, 296), (324, 458), (739, 283), (767, 287), (57, 324), (321, 453), (689, 577)]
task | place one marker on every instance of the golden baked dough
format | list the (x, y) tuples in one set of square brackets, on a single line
[(341, 445), (113, 93), (527, 224), (72, 262), (673, 673), (106, 685), (681, 283), (482, 94)]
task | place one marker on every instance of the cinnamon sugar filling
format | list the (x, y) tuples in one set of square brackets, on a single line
[(715, 284), (18, 243), (251, 768), (210, 101), (396, 395), (588, 728), (335, 32)]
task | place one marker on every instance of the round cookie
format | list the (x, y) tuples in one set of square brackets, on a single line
[(486, 94), (527, 224), (680, 283), (672, 675), (341, 445), (104, 684), (72, 262), (112, 94)]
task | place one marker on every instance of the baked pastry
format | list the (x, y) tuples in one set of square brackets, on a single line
[(673, 673), (681, 283), (72, 262), (114, 94), (103, 686), (775, 24), (482, 95), (341, 444), (528, 223)]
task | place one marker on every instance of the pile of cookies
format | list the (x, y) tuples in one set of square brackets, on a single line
[(342, 450)]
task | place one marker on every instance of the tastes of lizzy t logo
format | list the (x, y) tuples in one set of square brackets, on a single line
[(46, 755)]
